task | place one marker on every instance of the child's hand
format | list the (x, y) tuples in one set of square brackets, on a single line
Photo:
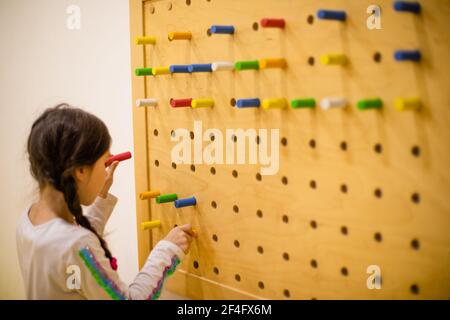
[(109, 179), (181, 236)]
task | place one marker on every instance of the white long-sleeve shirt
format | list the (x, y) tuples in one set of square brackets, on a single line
[(60, 260)]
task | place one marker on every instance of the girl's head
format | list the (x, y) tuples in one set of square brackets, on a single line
[(67, 149)]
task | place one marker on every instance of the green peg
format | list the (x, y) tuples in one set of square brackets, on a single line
[(303, 103), (143, 71), (247, 65), (166, 198), (365, 104)]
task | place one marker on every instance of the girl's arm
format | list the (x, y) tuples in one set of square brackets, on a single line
[(99, 212)]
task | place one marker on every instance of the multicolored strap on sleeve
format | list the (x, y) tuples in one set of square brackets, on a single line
[(167, 272), (100, 275)]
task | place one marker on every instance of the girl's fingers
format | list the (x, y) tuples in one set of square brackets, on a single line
[(113, 167)]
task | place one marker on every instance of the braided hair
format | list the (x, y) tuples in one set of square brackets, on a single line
[(62, 139)]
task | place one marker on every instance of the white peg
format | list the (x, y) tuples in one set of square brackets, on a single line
[(328, 103), (146, 102), (222, 65)]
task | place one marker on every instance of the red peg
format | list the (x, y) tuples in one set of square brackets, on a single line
[(176, 103), (118, 157), (273, 23)]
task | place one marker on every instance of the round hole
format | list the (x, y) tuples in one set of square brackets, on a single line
[(313, 184), (237, 277), (192, 168), (234, 138), (378, 237), (236, 244), (212, 170), (415, 244), (258, 176), (157, 163), (257, 139), (286, 256), (195, 264), (188, 2), (414, 289), (284, 142), (344, 188), (260, 250), (155, 132), (344, 271), (259, 213), (152, 9), (216, 270), (284, 180), (261, 285), (285, 218), (172, 133), (208, 32), (213, 204), (344, 230), (310, 19), (343, 146), (235, 208), (312, 144), (191, 134), (313, 224), (255, 26), (235, 173), (377, 57), (174, 165), (311, 61), (313, 263), (175, 225), (232, 102), (378, 148), (212, 137), (415, 197), (286, 293), (378, 193), (415, 150), (215, 238)]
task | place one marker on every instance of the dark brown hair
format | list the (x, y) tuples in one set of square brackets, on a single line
[(62, 139)]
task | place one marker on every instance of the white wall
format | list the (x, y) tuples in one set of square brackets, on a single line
[(43, 63)]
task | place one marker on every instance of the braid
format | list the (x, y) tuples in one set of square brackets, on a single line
[(68, 188)]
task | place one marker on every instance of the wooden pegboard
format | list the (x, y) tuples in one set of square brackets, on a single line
[(354, 189)]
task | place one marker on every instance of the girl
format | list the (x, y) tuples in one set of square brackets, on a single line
[(61, 250)]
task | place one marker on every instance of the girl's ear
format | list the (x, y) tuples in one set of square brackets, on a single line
[(80, 174)]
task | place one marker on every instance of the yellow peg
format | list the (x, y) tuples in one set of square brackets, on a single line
[(272, 63), (149, 194), (404, 104), (180, 36), (151, 224), (334, 59), (146, 40), (160, 70), (202, 103), (274, 103)]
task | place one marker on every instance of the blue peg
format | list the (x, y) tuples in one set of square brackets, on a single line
[(200, 67), (180, 203), (405, 55), (248, 103), (222, 29), (179, 68), (407, 6), (332, 15)]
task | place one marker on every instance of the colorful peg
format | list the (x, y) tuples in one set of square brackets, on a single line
[(179, 69), (166, 198), (279, 103), (332, 15), (407, 104), (407, 6), (272, 63), (222, 29), (153, 102), (334, 59), (151, 224), (273, 23), (200, 67), (222, 65), (248, 103), (366, 104), (177, 103), (145, 40), (160, 71), (202, 103), (407, 55), (180, 36), (149, 194), (118, 157), (185, 202), (143, 72), (247, 65), (303, 103), (328, 103)]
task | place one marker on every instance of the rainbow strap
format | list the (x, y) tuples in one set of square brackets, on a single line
[(168, 270), (100, 275)]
